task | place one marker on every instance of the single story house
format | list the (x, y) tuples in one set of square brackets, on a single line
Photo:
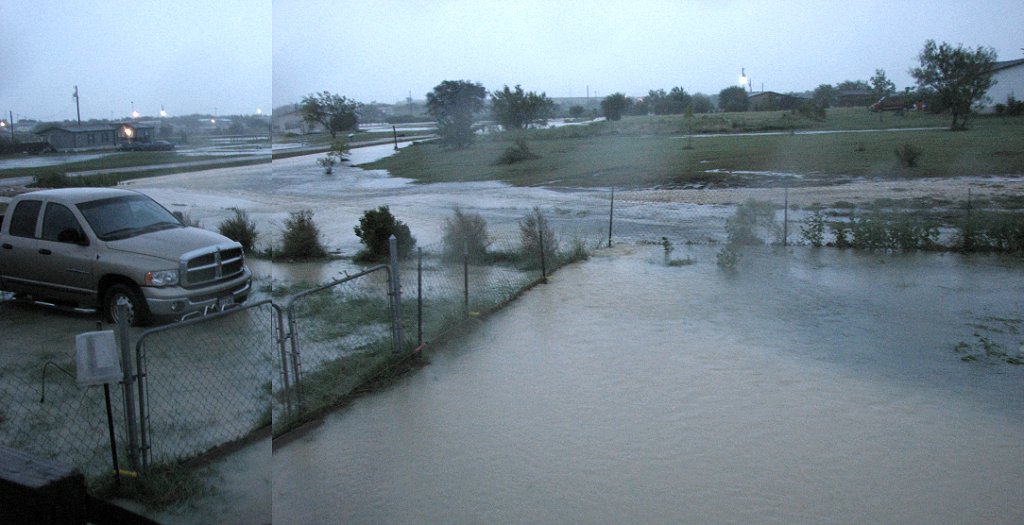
[(97, 136), (1009, 77), (771, 101)]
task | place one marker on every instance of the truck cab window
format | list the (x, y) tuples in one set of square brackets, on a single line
[(57, 219), (23, 220)]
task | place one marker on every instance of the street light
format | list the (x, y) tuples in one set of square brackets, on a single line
[(743, 78)]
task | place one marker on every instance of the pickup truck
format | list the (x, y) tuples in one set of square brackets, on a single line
[(106, 247)]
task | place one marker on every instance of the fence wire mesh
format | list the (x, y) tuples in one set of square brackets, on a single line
[(214, 380), (206, 382), (64, 421)]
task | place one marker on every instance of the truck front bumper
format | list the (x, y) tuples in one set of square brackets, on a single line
[(176, 302)]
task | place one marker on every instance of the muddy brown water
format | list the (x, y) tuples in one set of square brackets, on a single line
[(809, 386)]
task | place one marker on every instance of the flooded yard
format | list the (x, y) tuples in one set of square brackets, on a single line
[(810, 386)]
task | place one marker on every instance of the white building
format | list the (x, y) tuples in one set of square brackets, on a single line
[(1009, 77)]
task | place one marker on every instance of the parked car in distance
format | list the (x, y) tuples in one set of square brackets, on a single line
[(156, 145), (889, 104), (106, 247)]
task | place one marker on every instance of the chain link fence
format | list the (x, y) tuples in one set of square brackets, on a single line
[(205, 382), (44, 411), (210, 381)]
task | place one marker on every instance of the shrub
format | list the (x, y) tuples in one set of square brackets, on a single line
[(727, 258), (517, 152), (301, 237), (908, 154), (187, 219), (753, 223), (465, 233), (240, 228), (374, 230), (813, 230), (339, 152), (533, 230)]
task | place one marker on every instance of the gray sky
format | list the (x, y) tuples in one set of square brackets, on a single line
[(384, 49), (234, 56), (191, 56)]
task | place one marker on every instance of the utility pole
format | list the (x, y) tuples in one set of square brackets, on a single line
[(10, 122), (78, 109)]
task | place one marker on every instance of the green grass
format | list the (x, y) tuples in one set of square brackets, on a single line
[(121, 160), (650, 151)]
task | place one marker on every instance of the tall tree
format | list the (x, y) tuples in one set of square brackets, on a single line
[(516, 109), (961, 76), (614, 105), (733, 99), (453, 103), (334, 112), (881, 86), (824, 96)]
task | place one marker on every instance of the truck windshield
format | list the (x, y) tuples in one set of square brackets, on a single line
[(128, 216)]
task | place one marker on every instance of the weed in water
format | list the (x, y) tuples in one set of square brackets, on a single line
[(301, 237), (240, 228)]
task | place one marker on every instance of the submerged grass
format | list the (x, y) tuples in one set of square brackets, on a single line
[(649, 152)]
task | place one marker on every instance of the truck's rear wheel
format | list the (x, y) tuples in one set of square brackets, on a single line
[(122, 294)]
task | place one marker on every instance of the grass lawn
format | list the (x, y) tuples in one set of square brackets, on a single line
[(123, 160), (655, 152)]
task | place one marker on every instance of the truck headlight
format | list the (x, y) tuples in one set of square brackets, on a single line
[(162, 278)]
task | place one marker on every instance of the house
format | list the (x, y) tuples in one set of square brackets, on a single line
[(771, 101), (1009, 77), (95, 136), (855, 97)]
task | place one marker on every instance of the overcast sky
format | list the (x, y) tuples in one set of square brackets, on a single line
[(191, 56), (234, 56)]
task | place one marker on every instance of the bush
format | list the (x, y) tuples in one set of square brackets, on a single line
[(187, 219), (533, 230), (517, 152), (465, 233), (339, 152), (813, 230), (753, 223), (908, 154), (240, 228), (301, 237), (374, 230)]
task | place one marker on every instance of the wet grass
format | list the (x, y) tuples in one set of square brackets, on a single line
[(649, 152)]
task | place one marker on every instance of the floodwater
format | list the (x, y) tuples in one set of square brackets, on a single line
[(808, 386)]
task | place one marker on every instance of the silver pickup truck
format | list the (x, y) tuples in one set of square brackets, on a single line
[(104, 247)]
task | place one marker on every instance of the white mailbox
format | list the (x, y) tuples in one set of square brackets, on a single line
[(96, 357)]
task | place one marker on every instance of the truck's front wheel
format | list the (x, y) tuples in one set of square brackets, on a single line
[(136, 311)]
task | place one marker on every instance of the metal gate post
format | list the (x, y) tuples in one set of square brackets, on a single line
[(128, 382), (396, 295)]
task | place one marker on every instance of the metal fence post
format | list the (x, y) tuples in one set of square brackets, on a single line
[(396, 294), (611, 216), (543, 264), (785, 219), (128, 382), (419, 298), (465, 278)]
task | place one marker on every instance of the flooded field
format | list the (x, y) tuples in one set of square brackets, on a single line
[(810, 386)]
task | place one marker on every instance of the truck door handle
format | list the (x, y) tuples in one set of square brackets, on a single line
[(7, 246), (44, 251)]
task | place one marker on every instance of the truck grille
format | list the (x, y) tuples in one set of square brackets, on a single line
[(212, 265)]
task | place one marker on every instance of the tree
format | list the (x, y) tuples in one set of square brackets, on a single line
[(576, 111), (825, 96), (453, 103), (733, 99), (614, 105), (672, 103), (334, 112), (961, 76), (881, 86), (376, 228), (702, 103), (515, 109)]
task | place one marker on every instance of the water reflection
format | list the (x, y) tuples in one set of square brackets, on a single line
[(809, 386)]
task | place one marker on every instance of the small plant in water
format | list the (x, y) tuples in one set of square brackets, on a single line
[(813, 230), (728, 258)]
